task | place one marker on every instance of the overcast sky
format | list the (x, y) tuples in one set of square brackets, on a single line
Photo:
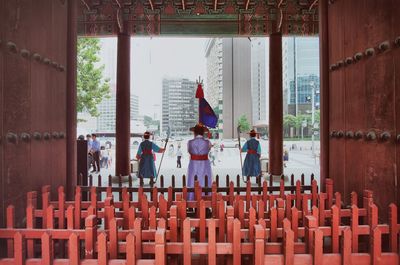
[(155, 58)]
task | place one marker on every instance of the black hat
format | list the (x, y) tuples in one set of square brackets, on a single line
[(199, 129)]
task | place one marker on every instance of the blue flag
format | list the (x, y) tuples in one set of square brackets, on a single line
[(206, 114)]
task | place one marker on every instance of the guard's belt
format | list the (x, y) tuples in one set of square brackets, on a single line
[(252, 152), (198, 157), (147, 152)]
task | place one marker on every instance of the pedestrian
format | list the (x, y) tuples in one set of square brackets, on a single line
[(217, 157), (96, 153), (285, 157), (251, 165), (103, 157), (109, 161), (171, 150), (178, 157), (145, 155), (212, 156), (199, 164)]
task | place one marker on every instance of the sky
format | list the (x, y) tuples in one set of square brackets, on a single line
[(152, 59)]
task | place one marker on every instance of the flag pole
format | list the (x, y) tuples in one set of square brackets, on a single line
[(240, 154), (162, 157)]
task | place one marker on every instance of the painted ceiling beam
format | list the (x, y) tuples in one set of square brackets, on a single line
[(233, 18)]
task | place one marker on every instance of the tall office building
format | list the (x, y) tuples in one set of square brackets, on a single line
[(300, 73), (213, 88), (179, 106), (260, 80), (229, 81), (107, 110)]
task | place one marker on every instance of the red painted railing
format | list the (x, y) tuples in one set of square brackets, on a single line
[(274, 227)]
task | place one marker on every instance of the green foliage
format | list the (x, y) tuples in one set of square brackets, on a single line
[(289, 121), (317, 116), (149, 122), (296, 122), (91, 85), (243, 124)]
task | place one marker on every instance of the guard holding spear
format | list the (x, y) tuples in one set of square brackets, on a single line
[(145, 155), (252, 166)]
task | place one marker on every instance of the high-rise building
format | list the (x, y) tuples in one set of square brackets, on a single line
[(300, 73), (260, 80), (229, 81), (179, 106), (214, 87), (237, 98), (107, 110)]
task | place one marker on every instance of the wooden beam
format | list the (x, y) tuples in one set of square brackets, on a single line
[(183, 5), (324, 90), (215, 5), (247, 4), (71, 94), (122, 128), (275, 105)]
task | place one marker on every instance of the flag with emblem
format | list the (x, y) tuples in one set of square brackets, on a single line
[(206, 114)]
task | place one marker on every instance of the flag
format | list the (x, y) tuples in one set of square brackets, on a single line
[(199, 91), (206, 114)]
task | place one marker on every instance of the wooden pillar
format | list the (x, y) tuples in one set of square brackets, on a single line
[(324, 90), (275, 105), (71, 97), (123, 106)]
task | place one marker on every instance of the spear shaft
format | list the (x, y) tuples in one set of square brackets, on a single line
[(162, 157), (240, 153)]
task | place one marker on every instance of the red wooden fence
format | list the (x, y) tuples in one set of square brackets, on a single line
[(274, 227)]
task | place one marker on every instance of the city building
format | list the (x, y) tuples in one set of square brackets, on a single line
[(306, 85), (300, 73), (179, 106), (213, 87), (260, 81), (229, 81), (107, 111)]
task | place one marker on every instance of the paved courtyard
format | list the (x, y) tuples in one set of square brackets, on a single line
[(301, 160)]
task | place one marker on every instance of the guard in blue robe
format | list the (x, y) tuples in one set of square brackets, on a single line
[(145, 155), (252, 165)]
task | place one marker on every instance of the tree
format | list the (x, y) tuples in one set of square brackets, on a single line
[(243, 123), (289, 121), (91, 85)]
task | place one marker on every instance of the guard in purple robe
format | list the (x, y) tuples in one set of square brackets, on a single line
[(199, 164)]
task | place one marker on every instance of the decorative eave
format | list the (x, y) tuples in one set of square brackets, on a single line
[(198, 17)]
